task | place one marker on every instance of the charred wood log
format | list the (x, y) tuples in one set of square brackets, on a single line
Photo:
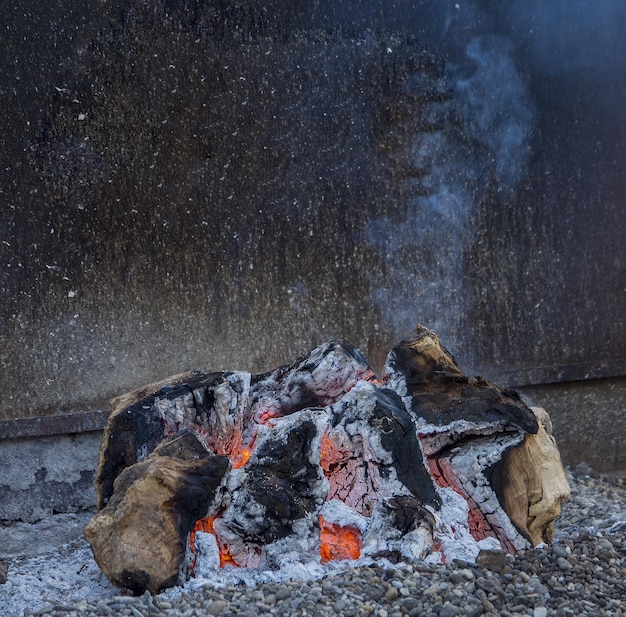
[(441, 395), (139, 538), (320, 457), (223, 408), (530, 482), (481, 441), (128, 426)]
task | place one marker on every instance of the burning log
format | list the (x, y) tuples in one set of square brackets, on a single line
[(320, 458), (465, 426)]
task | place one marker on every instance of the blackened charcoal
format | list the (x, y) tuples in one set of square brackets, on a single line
[(407, 513), (285, 481), (398, 435), (442, 394)]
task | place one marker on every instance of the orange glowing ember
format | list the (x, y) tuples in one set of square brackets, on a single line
[(264, 416), (330, 455), (239, 453), (338, 542), (207, 525), (239, 459)]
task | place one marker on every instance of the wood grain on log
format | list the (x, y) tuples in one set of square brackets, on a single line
[(531, 484), (139, 538)]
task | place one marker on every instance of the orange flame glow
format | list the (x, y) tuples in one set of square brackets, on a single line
[(239, 453), (239, 459), (264, 416), (207, 525), (338, 542), (329, 454)]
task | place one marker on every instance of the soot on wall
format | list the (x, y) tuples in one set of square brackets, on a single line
[(222, 185)]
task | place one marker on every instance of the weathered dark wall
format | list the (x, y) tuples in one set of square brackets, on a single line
[(224, 185), (587, 419)]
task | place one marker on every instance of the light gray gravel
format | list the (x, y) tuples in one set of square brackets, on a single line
[(582, 573)]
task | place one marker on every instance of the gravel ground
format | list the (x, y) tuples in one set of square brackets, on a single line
[(582, 573)]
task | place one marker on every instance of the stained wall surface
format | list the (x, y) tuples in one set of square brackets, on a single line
[(222, 185), (587, 420)]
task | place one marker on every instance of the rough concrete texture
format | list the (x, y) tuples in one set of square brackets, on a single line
[(19, 538), (588, 419), (46, 475)]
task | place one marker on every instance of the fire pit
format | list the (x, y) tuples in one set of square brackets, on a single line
[(320, 461)]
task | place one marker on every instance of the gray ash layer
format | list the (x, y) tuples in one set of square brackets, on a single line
[(584, 572)]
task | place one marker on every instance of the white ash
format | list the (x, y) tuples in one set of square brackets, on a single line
[(469, 464), (337, 512), (452, 531)]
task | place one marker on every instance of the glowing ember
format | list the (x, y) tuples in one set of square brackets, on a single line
[(208, 526), (240, 458), (330, 455), (338, 542)]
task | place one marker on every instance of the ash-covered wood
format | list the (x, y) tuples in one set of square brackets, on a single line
[(402, 528), (397, 435), (320, 460), (224, 407), (282, 479), (482, 442), (371, 447)]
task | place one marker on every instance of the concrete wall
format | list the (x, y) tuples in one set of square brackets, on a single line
[(47, 475), (215, 185), (588, 420)]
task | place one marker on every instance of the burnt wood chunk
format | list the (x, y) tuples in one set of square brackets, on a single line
[(442, 394), (129, 424), (403, 529), (398, 436), (139, 538), (137, 423), (530, 482), (481, 441), (283, 479)]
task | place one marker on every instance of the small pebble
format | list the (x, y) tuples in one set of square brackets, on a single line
[(564, 564), (391, 594), (449, 610), (216, 607)]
